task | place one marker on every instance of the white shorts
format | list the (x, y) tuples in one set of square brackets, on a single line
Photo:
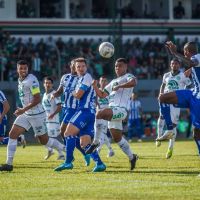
[(53, 129), (101, 124), (119, 114), (37, 122)]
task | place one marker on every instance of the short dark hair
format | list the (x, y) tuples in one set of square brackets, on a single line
[(22, 62), (124, 60), (80, 59), (176, 60), (48, 78)]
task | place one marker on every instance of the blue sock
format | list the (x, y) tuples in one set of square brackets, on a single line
[(95, 156), (198, 145), (165, 111), (78, 146), (70, 146)]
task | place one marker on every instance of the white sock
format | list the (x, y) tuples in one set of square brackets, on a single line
[(11, 149), (97, 135), (49, 149), (160, 126), (124, 145), (107, 143), (53, 143), (22, 137), (172, 141)]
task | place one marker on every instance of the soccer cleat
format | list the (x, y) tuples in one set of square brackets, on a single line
[(87, 159), (64, 166), (61, 157), (111, 153), (99, 168), (158, 143), (166, 136), (6, 167), (92, 148), (49, 154), (139, 140), (133, 161), (169, 153)]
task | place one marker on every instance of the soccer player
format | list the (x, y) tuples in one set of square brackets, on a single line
[(52, 109), (4, 108), (119, 91), (134, 118), (173, 80), (185, 98), (101, 126), (67, 86), (32, 114), (82, 122)]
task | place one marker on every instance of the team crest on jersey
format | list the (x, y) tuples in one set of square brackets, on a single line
[(178, 78), (172, 85)]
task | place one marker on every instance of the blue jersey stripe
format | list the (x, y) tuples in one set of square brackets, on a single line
[(69, 83)]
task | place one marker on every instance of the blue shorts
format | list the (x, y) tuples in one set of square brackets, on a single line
[(3, 127), (68, 114), (84, 120), (187, 100)]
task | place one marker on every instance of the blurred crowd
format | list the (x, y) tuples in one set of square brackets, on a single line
[(50, 56)]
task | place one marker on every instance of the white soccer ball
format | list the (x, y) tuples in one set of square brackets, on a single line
[(106, 49)]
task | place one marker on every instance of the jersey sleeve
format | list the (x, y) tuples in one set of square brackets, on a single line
[(196, 59), (62, 81), (164, 79), (2, 97), (58, 100), (34, 86), (86, 82), (108, 88)]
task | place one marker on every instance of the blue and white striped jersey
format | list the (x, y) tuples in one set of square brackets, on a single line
[(69, 82), (2, 100), (196, 76), (134, 109), (88, 100)]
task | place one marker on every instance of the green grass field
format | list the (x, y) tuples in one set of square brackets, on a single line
[(154, 177)]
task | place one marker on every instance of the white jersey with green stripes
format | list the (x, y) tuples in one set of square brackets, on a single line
[(50, 106), (121, 97), (27, 88)]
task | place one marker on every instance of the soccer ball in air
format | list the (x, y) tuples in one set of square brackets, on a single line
[(106, 49)]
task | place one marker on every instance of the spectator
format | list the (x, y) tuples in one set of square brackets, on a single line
[(196, 12), (179, 11)]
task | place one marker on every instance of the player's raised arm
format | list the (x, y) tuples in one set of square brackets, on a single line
[(184, 58), (100, 93)]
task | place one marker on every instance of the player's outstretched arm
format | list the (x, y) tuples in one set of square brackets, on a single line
[(57, 93), (100, 93), (6, 108), (173, 49), (36, 100), (129, 84)]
